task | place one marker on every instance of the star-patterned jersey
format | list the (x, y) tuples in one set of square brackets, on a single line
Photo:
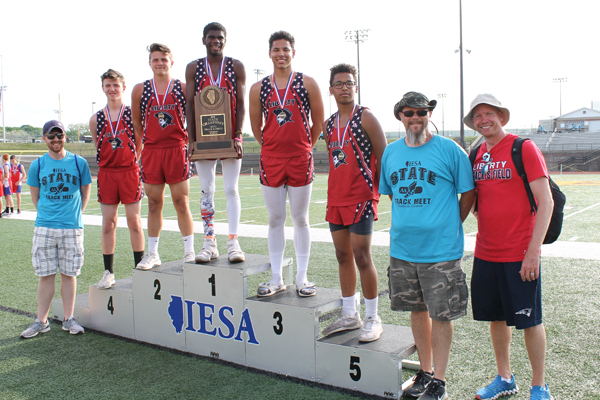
[(164, 125), (287, 131), (118, 151), (16, 172), (352, 164), (228, 84)]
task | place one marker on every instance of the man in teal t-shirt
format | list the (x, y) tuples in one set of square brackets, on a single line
[(60, 184), (423, 175)]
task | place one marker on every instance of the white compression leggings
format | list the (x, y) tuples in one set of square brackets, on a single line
[(231, 174), (275, 200)]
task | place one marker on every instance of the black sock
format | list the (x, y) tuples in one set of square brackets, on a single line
[(137, 257), (108, 262), (6, 211), (12, 210)]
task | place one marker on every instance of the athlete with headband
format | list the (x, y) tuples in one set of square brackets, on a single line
[(280, 114), (119, 174), (230, 75), (158, 107)]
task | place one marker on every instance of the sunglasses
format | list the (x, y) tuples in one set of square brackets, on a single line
[(51, 136), (420, 113), (340, 84)]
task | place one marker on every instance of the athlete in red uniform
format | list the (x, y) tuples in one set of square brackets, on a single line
[(230, 75), (119, 175), (356, 143), (280, 114), (158, 108), (17, 176)]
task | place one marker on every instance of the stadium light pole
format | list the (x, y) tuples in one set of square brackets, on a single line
[(59, 111), (462, 99), (259, 72), (560, 81), (357, 36), (442, 96), (93, 104), (2, 90)]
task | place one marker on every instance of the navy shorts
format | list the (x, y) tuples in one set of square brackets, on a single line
[(364, 227), (499, 294)]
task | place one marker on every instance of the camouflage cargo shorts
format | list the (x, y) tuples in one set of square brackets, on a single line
[(439, 288)]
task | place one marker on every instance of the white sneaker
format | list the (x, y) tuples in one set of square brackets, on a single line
[(189, 257), (107, 280), (149, 261), (209, 251), (234, 252), (343, 323), (371, 330)]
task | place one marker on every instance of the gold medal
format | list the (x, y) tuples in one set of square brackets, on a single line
[(282, 115), (161, 115)]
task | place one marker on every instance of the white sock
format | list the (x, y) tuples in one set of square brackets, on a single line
[(507, 380), (153, 244), (349, 305), (276, 268), (371, 306), (188, 242), (302, 265)]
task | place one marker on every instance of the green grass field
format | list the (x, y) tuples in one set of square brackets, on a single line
[(57, 365)]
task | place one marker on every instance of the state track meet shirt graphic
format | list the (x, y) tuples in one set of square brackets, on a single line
[(410, 182), (58, 183)]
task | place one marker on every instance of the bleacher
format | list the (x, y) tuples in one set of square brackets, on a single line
[(566, 141)]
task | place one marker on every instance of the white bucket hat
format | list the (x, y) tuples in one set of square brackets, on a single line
[(488, 99)]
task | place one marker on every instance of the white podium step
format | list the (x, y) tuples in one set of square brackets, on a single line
[(373, 368), (287, 327), (111, 310), (81, 311)]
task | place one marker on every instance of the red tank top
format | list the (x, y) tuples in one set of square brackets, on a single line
[(352, 166), (228, 83), (15, 172), (116, 150), (164, 124), (287, 129)]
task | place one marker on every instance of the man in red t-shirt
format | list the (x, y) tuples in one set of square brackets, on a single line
[(506, 282)]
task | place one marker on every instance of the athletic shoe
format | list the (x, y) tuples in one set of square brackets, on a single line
[(149, 261), (306, 289), (343, 323), (35, 328), (234, 252), (107, 280), (267, 289), (371, 330), (189, 257), (540, 393), (420, 382), (209, 251), (498, 388), (436, 390), (18, 211), (72, 326)]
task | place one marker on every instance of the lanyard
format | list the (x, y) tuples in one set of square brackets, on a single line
[(341, 143), (215, 82), (287, 88), (156, 92), (118, 119)]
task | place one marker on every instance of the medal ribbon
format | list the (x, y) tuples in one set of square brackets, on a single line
[(287, 88), (156, 92), (341, 143), (216, 82), (114, 134)]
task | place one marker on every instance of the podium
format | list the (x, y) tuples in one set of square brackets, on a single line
[(206, 309)]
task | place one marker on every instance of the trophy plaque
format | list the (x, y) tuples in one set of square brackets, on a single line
[(214, 138)]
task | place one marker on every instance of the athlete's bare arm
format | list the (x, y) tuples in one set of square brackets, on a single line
[(316, 108), (94, 129), (256, 116), (375, 133), (190, 107), (24, 177), (136, 115), (240, 107), (325, 133)]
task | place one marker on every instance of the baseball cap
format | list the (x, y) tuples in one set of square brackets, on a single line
[(48, 126)]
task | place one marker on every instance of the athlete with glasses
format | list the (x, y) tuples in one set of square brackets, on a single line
[(355, 143), (423, 174)]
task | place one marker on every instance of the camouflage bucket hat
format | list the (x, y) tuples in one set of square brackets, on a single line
[(414, 100)]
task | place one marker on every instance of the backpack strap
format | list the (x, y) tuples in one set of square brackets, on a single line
[(78, 171), (472, 157), (517, 158)]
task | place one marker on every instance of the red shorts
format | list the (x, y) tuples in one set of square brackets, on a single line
[(119, 185), (352, 214), (295, 171), (165, 165), (14, 187)]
